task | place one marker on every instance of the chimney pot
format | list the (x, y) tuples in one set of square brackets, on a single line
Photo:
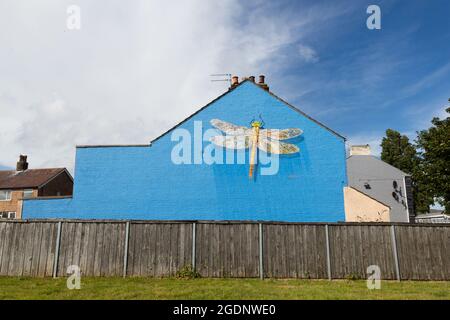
[(234, 80), (262, 84), (22, 164), (261, 79), (252, 78), (360, 150)]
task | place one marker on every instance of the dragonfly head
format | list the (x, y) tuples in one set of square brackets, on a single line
[(257, 124)]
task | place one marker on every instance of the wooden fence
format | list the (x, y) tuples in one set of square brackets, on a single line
[(46, 248)]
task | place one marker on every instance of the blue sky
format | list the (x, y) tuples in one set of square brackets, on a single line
[(135, 69), (362, 81)]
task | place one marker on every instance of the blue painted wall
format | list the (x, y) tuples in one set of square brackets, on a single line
[(143, 183)]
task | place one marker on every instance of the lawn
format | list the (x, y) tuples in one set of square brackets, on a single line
[(171, 288)]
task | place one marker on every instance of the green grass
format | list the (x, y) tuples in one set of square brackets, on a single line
[(171, 288)]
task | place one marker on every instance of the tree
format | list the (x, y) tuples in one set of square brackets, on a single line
[(399, 152), (434, 151)]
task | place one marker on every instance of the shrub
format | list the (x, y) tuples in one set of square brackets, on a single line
[(187, 272)]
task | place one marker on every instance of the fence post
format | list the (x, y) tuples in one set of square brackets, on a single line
[(261, 266), (56, 258), (394, 252), (193, 244), (125, 255), (327, 240)]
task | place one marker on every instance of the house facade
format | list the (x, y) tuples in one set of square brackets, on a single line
[(433, 216), (377, 191), (182, 175), (23, 183)]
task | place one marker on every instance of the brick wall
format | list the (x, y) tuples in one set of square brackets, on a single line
[(15, 204)]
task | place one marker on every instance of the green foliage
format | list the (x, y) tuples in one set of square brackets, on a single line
[(428, 161), (434, 151), (187, 272), (398, 151), (402, 154), (353, 277)]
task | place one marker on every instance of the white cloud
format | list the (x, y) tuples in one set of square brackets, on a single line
[(308, 54), (132, 71)]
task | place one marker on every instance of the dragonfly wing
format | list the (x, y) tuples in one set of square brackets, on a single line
[(232, 142), (281, 134), (276, 147), (230, 129)]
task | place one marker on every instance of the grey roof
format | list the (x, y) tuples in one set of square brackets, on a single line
[(372, 162)]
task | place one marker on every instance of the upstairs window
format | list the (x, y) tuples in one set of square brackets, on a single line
[(5, 195), (27, 194)]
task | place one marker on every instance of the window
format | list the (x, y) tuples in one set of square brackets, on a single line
[(7, 215), (5, 195), (27, 194)]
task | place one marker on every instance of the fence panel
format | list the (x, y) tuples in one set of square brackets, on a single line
[(27, 249), (96, 247), (227, 250), (159, 249), (424, 252), (294, 251), (353, 248)]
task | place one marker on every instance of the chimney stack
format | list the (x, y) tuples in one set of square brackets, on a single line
[(252, 78), (234, 81), (360, 150), (22, 164), (262, 84)]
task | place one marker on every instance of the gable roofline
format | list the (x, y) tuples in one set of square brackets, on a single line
[(384, 162), (56, 175), (267, 91), (365, 194), (196, 112), (86, 146), (304, 114), (206, 106)]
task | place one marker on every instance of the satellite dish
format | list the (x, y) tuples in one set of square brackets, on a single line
[(395, 196), (395, 185)]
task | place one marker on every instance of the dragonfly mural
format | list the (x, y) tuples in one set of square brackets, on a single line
[(267, 140)]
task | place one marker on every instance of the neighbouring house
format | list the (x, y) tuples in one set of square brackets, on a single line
[(433, 216), (23, 183), (376, 190), (202, 169)]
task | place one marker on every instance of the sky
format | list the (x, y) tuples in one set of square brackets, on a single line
[(136, 68)]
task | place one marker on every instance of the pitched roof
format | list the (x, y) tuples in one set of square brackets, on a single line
[(206, 106), (269, 92), (372, 164), (30, 178)]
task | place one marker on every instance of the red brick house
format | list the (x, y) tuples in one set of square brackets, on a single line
[(24, 183)]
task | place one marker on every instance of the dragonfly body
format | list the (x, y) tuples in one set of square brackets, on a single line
[(256, 127), (239, 137)]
